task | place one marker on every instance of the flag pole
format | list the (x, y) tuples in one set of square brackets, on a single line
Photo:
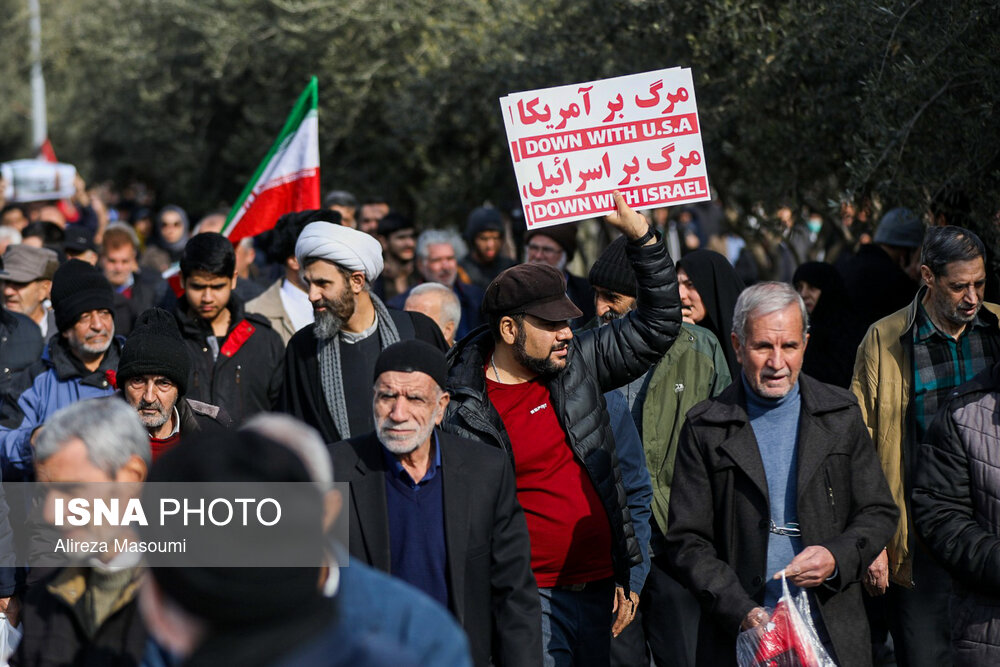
[(39, 122)]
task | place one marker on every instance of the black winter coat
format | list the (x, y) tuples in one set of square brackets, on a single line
[(597, 361), (956, 510), (246, 377), (719, 518), (20, 346), (148, 290)]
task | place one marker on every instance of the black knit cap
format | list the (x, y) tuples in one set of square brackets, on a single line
[(482, 219), (563, 235), (230, 597), (155, 347), (393, 222), (78, 288), (413, 356), (613, 270)]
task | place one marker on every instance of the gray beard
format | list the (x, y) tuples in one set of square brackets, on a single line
[(327, 324)]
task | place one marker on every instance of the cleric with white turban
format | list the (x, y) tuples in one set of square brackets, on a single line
[(349, 248)]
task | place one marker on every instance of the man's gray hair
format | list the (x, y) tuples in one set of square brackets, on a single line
[(435, 236), (451, 308), (763, 299), (109, 428), (301, 439)]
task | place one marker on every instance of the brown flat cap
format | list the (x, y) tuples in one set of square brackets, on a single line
[(533, 289)]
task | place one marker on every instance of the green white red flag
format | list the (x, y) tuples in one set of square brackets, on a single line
[(288, 178)]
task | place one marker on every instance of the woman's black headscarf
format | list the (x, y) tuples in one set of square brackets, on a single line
[(834, 330), (719, 287)]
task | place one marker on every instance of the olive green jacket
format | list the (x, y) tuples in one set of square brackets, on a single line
[(692, 370)]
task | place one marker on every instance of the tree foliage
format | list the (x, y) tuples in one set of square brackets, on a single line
[(800, 101)]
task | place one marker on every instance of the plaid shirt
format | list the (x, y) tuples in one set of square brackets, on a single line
[(941, 363)]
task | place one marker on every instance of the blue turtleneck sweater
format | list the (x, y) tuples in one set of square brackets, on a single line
[(775, 423)]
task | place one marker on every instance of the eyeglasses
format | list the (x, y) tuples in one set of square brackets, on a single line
[(543, 250), (789, 529)]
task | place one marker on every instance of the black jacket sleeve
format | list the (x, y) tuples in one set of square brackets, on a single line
[(941, 501), (625, 349)]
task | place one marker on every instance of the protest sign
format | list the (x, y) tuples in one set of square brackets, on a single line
[(37, 180), (573, 145)]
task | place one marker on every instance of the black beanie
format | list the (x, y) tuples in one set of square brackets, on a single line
[(229, 597), (563, 235), (413, 356), (483, 219), (613, 270), (155, 347), (78, 288)]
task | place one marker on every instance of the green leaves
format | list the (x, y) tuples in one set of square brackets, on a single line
[(799, 102)]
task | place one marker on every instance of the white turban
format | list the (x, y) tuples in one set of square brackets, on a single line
[(351, 249)]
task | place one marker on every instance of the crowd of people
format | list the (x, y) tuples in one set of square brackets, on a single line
[(615, 467)]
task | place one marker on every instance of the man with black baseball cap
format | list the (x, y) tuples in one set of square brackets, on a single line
[(79, 244), (153, 378), (74, 365), (440, 511), (529, 387)]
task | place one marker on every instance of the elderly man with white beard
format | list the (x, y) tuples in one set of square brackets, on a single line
[(328, 364), (440, 511)]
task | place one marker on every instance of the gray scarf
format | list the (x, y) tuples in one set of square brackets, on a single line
[(329, 366)]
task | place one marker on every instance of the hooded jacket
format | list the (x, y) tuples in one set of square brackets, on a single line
[(597, 361), (246, 377)]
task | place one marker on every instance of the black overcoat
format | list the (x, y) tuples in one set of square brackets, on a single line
[(719, 517), (492, 590)]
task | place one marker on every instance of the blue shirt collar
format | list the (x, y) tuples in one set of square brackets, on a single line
[(396, 469)]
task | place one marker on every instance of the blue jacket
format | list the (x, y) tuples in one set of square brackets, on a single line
[(635, 476), (58, 379), (391, 609)]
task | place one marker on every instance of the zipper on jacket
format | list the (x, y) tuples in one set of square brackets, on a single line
[(239, 389)]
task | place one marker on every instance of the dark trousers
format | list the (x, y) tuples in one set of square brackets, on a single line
[(576, 624), (665, 627), (918, 616)]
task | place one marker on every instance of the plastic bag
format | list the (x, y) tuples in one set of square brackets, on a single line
[(9, 639), (788, 639)]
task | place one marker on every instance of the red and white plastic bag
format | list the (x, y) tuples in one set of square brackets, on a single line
[(788, 639)]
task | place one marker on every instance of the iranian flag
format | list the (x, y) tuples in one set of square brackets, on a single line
[(288, 178)]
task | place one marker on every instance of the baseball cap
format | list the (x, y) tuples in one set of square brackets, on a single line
[(79, 239)]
